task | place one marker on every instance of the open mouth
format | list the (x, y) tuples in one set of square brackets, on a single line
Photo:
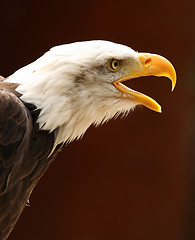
[(138, 97), (152, 65)]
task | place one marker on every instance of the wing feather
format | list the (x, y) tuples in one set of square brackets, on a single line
[(24, 155), (15, 128)]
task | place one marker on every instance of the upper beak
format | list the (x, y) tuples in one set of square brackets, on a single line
[(150, 64)]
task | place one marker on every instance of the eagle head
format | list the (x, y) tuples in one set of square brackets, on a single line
[(79, 84)]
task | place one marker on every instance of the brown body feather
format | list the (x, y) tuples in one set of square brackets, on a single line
[(24, 151)]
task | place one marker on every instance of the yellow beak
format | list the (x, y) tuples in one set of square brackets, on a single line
[(150, 64)]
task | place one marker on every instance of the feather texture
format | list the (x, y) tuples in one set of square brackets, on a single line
[(71, 85), (24, 151)]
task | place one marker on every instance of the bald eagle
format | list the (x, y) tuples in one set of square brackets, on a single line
[(52, 101)]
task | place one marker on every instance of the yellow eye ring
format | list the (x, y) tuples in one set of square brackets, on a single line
[(114, 64)]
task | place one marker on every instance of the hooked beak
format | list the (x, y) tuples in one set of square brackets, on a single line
[(151, 65)]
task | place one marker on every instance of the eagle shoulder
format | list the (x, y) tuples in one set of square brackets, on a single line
[(24, 155), (14, 128)]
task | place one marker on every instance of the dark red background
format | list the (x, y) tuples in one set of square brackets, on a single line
[(132, 178)]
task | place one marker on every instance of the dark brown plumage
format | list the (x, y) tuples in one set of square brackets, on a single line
[(23, 155)]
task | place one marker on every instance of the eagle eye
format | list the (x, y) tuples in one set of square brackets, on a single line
[(114, 64)]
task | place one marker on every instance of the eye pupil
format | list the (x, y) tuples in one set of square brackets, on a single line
[(115, 64)]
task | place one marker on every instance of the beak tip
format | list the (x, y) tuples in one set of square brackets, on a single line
[(160, 110), (173, 87), (173, 80)]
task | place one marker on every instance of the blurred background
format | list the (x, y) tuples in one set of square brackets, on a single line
[(132, 178)]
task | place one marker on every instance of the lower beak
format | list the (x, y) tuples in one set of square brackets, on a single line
[(151, 64)]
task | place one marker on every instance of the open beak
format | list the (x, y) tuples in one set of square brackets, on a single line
[(151, 64)]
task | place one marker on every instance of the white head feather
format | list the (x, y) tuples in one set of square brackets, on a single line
[(72, 85)]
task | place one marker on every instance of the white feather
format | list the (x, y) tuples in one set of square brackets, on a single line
[(71, 92)]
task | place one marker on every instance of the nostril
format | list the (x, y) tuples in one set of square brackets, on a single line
[(148, 62)]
